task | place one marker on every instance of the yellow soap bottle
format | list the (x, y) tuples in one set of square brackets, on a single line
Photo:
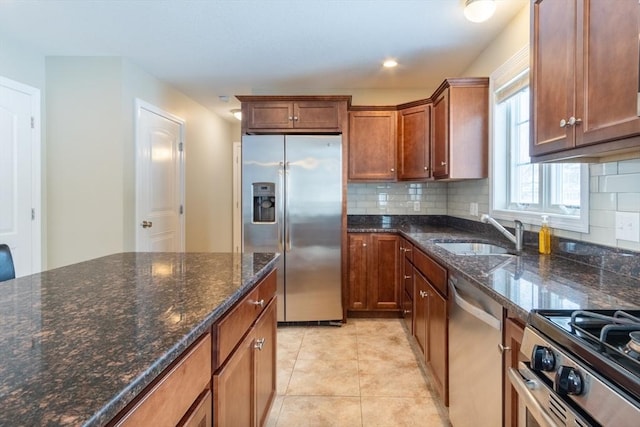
[(544, 236)]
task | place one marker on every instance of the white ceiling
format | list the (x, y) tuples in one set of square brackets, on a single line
[(211, 48)]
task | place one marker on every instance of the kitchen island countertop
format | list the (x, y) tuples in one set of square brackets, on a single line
[(526, 282), (78, 343)]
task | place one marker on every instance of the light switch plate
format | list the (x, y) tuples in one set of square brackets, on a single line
[(628, 226)]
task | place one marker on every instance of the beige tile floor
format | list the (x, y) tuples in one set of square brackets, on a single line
[(364, 373)]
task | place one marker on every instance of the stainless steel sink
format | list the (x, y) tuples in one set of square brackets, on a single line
[(473, 248)]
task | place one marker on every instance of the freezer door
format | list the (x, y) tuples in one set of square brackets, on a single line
[(263, 174), (313, 212)]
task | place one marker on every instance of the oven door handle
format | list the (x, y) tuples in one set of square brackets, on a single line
[(521, 384)]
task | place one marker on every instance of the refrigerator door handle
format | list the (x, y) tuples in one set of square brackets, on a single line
[(280, 196), (287, 231)]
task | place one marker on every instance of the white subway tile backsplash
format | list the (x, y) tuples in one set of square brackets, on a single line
[(629, 202), (603, 201), (629, 166), (598, 169), (619, 183), (614, 186)]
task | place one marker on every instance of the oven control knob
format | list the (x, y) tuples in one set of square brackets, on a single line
[(542, 359), (568, 381)]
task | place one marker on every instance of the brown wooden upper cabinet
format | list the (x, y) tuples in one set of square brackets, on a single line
[(585, 79), (274, 114), (459, 139), (372, 145), (414, 136)]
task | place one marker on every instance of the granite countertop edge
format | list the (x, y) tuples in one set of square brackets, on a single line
[(128, 394)]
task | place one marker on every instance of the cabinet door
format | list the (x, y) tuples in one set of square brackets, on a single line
[(607, 84), (384, 267), (202, 413), (437, 342), (234, 399), (553, 83), (269, 115), (316, 115), (265, 358), (358, 270), (372, 145), (440, 139), (421, 310), (513, 333), (414, 131)]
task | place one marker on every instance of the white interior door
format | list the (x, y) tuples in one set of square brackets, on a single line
[(160, 180), (20, 174)]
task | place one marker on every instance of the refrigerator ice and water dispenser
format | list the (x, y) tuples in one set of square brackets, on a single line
[(264, 202)]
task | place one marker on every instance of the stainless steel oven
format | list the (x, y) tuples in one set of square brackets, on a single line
[(579, 368)]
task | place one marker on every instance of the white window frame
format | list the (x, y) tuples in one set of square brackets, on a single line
[(514, 67)]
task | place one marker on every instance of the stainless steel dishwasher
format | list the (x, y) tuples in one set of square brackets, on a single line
[(475, 359)]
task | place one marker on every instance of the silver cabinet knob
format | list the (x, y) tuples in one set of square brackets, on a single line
[(426, 168), (407, 311), (260, 303), (259, 344), (295, 118), (147, 224), (503, 349), (364, 245), (443, 163), (290, 118), (406, 277), (423, 294), (393, 169), (563, 123), (573, 121)]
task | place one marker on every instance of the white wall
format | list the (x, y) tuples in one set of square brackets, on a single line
[(91, 176), (85, 160)]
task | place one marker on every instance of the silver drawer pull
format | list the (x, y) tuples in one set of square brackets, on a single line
[(259, 344), (260, 303)]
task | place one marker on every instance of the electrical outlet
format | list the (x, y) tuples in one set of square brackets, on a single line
[(473, 209), (416, 206), (628, 226)]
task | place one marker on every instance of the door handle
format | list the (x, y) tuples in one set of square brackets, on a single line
[(147, 224)]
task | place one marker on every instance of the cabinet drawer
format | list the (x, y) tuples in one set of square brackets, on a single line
[(436, 274), (231, 329), (167, 402)]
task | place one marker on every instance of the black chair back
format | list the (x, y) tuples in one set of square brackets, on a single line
[(7, 270)]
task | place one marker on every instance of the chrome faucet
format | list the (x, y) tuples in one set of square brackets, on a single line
[(519, 230)]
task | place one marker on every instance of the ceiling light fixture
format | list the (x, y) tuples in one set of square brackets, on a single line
[(390, 63), (237, 113), (479, 10)]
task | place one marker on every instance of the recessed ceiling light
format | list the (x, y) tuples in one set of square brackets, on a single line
[(390, 63)]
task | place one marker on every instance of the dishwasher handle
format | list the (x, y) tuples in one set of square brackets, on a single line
[(476, 312)]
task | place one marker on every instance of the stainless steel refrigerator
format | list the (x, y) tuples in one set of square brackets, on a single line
[(292, 204)]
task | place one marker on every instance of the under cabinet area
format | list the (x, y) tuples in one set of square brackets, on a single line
[(373, 282), (460, 129), (576, 110), (372, 145), (273, 114)]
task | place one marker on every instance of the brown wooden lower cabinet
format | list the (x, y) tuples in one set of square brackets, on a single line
[(430, 319), (244, 386), (513, 331), (202, 413), (374, 266), (166, 403)]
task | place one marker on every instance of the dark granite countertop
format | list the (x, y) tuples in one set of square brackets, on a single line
[(526, 282), (78, 343)]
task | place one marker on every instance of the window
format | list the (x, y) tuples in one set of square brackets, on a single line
[(521, 189)]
